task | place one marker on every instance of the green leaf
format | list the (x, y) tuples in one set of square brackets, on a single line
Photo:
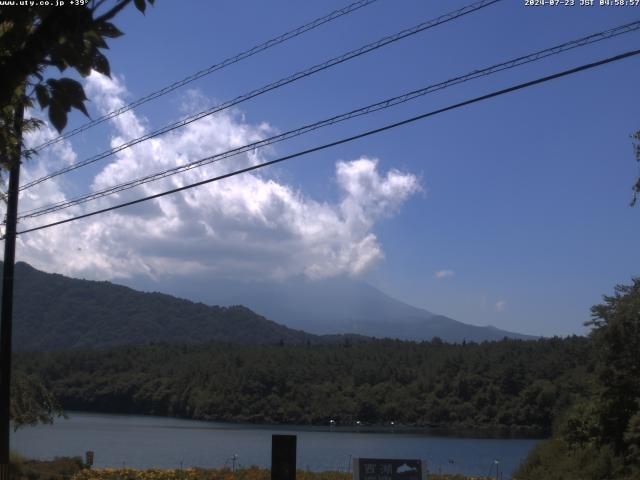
[(108, 29), (57, 61), (31, 124), (140, 5), (101, 64), (68, 93), (79, 104), (57, 116), (83, 65), (42, 94), (96, 39), (72, 87)]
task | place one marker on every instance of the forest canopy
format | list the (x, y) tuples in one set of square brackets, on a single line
[(518, 385)]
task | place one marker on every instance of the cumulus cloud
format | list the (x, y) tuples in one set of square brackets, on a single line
[(501, 305), (444, 274), (248, 226)]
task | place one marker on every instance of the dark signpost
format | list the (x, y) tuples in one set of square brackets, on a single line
[(283, 457), (386, 469)]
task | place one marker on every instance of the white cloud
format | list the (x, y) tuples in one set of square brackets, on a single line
[(444, 274), (501, 305), (245, 226)]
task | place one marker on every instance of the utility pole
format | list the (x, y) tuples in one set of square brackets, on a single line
[(6, 309)]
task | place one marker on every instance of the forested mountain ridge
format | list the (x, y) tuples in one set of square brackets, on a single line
[(512, 384), (52, 311)]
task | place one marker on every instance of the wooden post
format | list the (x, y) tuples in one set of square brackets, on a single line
[(6, 309)]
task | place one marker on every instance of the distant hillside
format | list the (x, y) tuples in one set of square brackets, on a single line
[(336, 305), (52, 311)]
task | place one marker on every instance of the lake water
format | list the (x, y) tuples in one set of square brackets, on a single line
[(146, 441)]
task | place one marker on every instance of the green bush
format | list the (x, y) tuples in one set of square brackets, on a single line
[(61, 468)]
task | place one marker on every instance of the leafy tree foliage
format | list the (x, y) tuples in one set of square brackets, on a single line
[(35, 38), (32, 402), (511, 384), (32, 39), (599, 436), (616, 333), (554, 459)]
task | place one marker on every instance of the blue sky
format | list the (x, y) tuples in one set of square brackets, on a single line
[(523, 205)]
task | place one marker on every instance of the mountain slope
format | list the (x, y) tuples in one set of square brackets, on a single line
[(336, 305), (52, 311)]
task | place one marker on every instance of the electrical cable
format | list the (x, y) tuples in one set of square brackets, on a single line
[(519, 61), (346, 140), (215, 67), (272, 86)]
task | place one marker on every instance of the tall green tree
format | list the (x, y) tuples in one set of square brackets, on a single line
[(34, 41), (599, 436), (616, 334)]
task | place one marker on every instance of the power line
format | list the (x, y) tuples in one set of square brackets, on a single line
[(213, 68), (277, 84), (272, 86), (519, 61), (346, 140)]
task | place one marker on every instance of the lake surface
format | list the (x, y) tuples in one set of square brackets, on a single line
[(146, 441)]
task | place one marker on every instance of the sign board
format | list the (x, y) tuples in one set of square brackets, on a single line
[(387, 469), (283, 457)]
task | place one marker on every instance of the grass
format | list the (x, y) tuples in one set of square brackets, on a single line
[(66, 468), (252, 473), (58, 469)]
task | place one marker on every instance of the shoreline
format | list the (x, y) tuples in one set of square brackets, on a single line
[(481, 432)]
